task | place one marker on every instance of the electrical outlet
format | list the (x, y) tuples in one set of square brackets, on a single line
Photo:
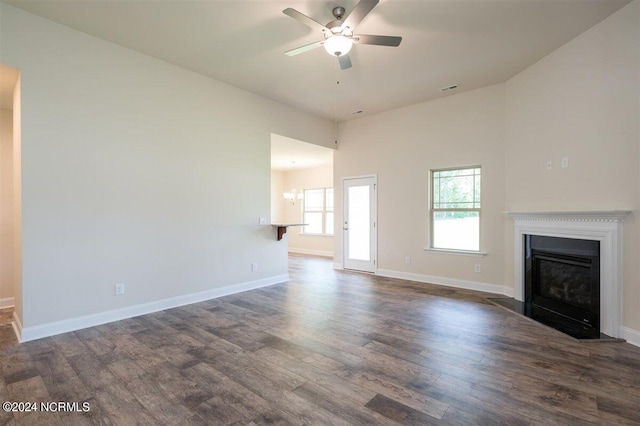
[(407, 260), (478, 268), (564, 163), (549, 165), (119, 289), (254, 267), (262, 221)]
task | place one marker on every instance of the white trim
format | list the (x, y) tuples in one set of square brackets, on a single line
[(356, 265), (338, 266), (457, 252), (322, 253), (573, 216), (431, 210), (72, 324), (7, 302), (372, 175), (448, 282), (631, 336), (602, 226)]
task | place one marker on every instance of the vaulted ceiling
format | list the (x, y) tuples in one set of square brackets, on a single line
[(469, 43)]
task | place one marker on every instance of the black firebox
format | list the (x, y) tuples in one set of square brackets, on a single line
[(562, 283)]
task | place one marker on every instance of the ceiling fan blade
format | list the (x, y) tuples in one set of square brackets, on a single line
[(305, 48), (358, 13), (344, 61), (377, 40), (305, 19)]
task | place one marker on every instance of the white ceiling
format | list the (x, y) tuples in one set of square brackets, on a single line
[(291, 154), (472, 43)]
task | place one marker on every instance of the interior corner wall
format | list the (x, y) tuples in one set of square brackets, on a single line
[(6, 207), (582, 102), (17, 200), (277, 201), (139, 172), (401, 146), (313, 178)]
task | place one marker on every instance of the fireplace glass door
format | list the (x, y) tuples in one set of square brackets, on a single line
[(563, 276)]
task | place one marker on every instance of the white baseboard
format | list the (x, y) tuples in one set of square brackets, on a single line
[(26, 334), (449, 282), (631, 336), (322, 253), (7, 302)]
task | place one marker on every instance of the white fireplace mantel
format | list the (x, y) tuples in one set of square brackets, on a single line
[(603, 226)]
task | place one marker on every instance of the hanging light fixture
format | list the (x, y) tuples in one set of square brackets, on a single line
[(293, 196), (338, 45)]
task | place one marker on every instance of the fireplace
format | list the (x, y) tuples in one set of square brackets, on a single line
[(603, 227), (562, 283)]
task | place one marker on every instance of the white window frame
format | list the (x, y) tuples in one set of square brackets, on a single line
[(433, 210), (324, 212)]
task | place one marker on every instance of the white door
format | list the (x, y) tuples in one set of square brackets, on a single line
[(359, 223)]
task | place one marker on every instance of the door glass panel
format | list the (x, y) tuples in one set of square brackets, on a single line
[(359, 223)]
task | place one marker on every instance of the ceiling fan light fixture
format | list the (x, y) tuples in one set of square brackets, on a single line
[(338, 45), (339, 35)]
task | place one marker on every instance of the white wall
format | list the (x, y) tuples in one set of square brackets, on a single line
[(139, 172), (6, 207), (401, 146), (317, 177), (583, 102)]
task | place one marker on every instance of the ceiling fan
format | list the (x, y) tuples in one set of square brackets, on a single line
[(339, 34)]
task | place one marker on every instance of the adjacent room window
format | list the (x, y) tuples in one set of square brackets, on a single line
[(455, 209), (318, 211)]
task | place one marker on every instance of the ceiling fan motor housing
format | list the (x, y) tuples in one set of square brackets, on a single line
[(335, 27), (338, 12)]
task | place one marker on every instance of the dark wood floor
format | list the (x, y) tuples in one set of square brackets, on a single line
[(328, 348)]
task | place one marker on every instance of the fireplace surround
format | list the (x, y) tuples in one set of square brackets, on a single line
[(603, 227)]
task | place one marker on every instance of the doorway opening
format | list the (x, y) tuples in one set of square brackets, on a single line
[(302, 193), (359, 223), (10, 198)]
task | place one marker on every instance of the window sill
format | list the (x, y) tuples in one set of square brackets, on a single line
[(315, 235), (458, 252)]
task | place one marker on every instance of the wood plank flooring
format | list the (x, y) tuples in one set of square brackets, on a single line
[(327, 348), (6, 316)]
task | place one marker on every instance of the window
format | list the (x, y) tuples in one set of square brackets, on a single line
[(318, 211), (455, 209)]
